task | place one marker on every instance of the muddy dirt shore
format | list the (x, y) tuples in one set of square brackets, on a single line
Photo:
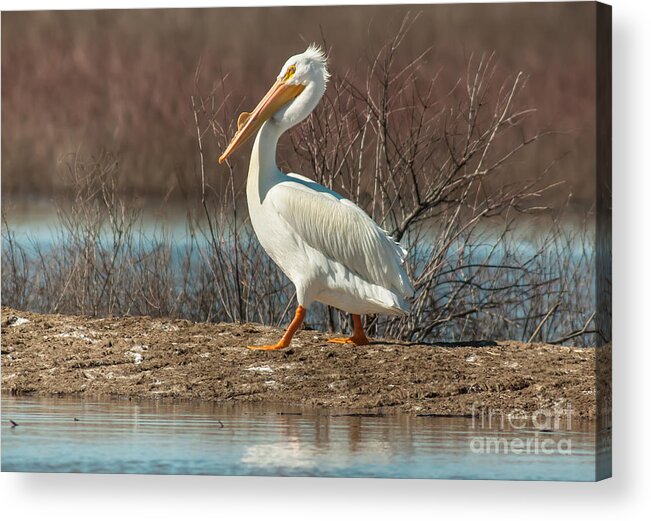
[(153, 358)]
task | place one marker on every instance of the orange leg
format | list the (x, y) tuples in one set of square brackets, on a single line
[(358, 338), (289, 334)]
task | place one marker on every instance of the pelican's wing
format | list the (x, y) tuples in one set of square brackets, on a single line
[(342, 231)]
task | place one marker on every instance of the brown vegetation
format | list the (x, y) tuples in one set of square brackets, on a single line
[(476, 273), (121, 81), (454, 166)]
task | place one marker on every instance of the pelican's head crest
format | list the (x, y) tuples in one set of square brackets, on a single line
[(309, 66)]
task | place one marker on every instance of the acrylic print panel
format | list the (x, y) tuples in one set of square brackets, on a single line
[(429, 298)]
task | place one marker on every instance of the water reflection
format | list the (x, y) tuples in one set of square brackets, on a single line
[(199, 438)]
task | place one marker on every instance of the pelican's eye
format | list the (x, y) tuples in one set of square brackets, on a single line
[(291, 70)]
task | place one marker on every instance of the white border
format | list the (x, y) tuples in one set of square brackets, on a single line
[(70, 497)]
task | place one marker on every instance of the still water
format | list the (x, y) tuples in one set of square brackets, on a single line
[(68, 435)]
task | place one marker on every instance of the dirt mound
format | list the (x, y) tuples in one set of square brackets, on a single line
[(143, 357)]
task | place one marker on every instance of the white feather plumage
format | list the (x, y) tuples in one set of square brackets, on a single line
[(327, 246)]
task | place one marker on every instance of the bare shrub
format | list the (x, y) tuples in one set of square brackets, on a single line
[(424, 165), (430, 169)]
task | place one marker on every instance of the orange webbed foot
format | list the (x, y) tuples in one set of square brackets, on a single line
[(355, 340), (287, 337), (271, 347)]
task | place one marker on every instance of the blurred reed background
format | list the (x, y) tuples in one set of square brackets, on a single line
[(121, 81)]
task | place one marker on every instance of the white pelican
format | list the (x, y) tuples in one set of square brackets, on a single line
[(327, 246)]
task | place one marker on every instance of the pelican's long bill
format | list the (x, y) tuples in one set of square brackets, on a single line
[(247, 124)]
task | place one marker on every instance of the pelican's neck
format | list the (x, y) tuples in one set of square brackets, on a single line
[(263, 171), (263, 155)]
